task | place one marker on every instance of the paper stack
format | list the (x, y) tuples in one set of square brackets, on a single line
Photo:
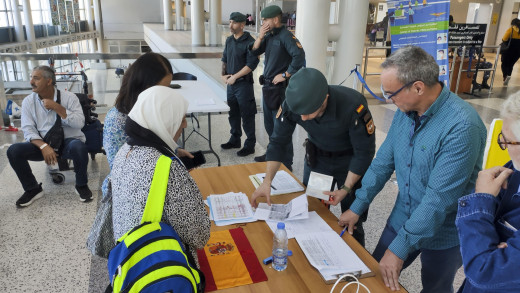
[(230, 208), (282, 183)]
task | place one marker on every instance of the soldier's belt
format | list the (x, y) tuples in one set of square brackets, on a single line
[(322, 153)]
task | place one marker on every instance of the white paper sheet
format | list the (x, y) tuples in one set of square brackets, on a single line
[(328, 253), (318, 183), (297, 208), (282, 183), (230, 206), (314, 223)]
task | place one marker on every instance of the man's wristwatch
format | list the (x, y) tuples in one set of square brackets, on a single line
[(346, 188), (284, 75)]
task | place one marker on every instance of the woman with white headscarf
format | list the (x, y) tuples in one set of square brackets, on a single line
[(153, 125)]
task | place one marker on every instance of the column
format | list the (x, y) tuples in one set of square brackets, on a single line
[(505, 19), (197, 23), (179, 7), (312, 25), (167, 9), (20, 38), (90, 21), (353, 15), (29, 30), (215, 20), (97, 19)]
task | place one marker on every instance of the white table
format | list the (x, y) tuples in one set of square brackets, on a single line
[(201, 100)]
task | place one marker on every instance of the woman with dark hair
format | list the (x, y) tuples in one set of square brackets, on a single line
[(509, 57), (148, 70)]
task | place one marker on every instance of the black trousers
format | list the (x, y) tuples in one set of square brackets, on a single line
[(242, 110)]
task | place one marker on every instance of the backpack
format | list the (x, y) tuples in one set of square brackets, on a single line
[(151, 256)]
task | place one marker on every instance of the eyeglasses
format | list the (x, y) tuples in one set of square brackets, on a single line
[(389, 96), (502, 141)]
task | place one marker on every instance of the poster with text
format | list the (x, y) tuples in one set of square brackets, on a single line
[(70, 17), (63, 16), (422, 23), (55, 17), (75, 4)]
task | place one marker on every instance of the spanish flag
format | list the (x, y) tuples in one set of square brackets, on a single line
[(228, 260)]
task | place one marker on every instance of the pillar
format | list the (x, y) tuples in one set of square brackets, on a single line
[(215, 20), (167, 9), (20, 38), (312, 25), (505, 19), (197, 23), (179, 7), (97, 19), (90, 21), (29, 30), (352, 17)]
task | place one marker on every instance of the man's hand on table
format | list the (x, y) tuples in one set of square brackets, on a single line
[(390, 266), (264, 190)]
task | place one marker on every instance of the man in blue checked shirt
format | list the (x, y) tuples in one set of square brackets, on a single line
[(435, 146)]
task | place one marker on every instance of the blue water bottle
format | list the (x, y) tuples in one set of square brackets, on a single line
[(280, 248)]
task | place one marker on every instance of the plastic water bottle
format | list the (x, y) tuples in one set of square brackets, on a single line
[(280, 248)]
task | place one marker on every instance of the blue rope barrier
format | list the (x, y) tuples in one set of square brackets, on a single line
[(362, 82)]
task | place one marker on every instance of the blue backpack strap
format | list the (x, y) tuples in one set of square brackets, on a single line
[(155, 203)]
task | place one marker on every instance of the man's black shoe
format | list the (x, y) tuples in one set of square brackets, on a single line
[(29, 197), (84, 193), (229, 145), (484, 86), (260, 158), (245, 152)]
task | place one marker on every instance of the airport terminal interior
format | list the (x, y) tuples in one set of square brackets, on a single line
[(42, 247)]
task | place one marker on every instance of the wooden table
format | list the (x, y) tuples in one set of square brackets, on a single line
[(299, 276)]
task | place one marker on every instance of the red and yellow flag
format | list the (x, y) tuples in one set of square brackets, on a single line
[(228, 260)]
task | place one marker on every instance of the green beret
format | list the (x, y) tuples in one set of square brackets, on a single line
[(271, 11), (237, 17), (307, 91)]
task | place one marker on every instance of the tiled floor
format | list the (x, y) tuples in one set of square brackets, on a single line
[(42, 247)]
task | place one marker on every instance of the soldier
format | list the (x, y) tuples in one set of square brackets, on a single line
[(284, 56), (237, 72), (341, 139)]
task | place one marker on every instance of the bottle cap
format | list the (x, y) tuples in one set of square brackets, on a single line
[(281, 225)]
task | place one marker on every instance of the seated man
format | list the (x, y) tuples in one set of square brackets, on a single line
[(39, 111)]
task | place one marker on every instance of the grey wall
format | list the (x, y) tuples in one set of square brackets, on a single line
[(123, 19)]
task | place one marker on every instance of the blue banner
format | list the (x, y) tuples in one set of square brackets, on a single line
[(422, 23)]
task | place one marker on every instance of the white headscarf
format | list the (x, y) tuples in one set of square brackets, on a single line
[(161, 110)]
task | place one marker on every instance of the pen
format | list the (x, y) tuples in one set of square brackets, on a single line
[(343, 232), (273, 187)]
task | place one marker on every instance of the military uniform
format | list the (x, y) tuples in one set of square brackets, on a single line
[(240, 95), (341, 140), (283, 53)]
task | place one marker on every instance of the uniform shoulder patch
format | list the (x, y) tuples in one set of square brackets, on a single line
[(299, 45), (370, 127), (360, 108), (279, 112)]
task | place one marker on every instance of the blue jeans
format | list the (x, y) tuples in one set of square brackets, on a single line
[(19, 155), (438, 266)]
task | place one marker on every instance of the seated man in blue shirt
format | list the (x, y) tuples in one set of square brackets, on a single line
[(488, 220), (435, 145), (39, 111)]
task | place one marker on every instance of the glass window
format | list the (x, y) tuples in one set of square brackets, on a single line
[(35, 5), (3, 19)]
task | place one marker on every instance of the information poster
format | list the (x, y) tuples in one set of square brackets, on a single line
[(422, 23), (63, 16), (467, 34), (70, 17), (55, 17), (75, 4)]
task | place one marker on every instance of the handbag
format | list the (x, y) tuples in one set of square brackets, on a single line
[(55, 136), (505, 46), (101, 237)]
